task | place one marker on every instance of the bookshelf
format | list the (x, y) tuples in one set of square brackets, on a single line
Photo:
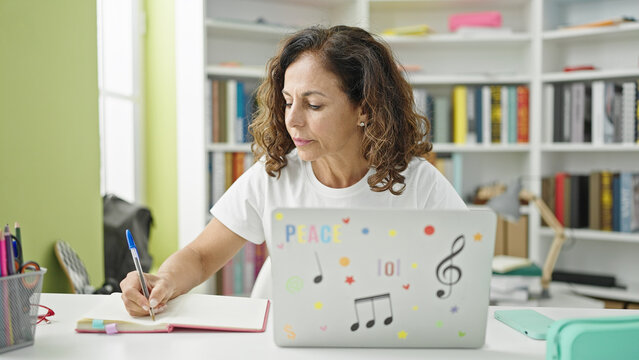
[(533, 53)]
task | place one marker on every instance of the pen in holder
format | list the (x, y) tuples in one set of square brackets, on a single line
[(19, 300)]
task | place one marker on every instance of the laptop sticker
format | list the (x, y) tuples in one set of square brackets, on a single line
[(447, 272)]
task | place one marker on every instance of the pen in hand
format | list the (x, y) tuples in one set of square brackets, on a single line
[(138, 267)]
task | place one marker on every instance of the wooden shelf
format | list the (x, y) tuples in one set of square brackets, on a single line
[(585, 234)]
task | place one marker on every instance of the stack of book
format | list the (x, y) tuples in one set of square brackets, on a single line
[(489, 114), (514, 281)]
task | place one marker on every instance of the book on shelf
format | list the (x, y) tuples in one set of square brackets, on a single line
[(460, 117), (579, 201), (495, 114), (523, 114), (560, 181), (511, 238), (471, 116), (229, 108), (606, 200), (476, 116), (598, 112), (594, 200), (442, 133), (600, 200)]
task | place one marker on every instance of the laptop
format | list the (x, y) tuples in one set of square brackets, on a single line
[(381, 278)]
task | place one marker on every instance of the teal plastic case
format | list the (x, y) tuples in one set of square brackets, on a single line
[(593, 338), (526, 321)]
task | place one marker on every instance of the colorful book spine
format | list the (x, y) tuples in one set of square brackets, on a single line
[(215, 110), (486, 115), (442, 119), (240, 113), (594, 205), (228, 169), (606, 201), (471, 136), (523, 114), (629, 112), (479, 113), (495, 114), (625, 202), (460, 116), (238, 165), (512, 115), (505, 116), (559, 196), (598, 112)]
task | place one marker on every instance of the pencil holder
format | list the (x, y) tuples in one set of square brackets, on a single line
[(19, 302)]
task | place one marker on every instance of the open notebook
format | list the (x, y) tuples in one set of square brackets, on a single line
[(189, 311)]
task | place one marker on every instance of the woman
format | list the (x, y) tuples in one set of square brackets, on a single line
[(336, 127)]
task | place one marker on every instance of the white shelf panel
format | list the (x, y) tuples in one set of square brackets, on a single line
[(236, 72), (589, 75), (424, 79), (570, 147), (515, 38), (478, 148), (602, 33), (455, 4), (585, 234), (247, 29), (224, 147)]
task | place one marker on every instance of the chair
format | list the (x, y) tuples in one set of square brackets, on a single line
[(73, 267)]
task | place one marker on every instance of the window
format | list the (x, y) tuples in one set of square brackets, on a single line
[(120, 43)]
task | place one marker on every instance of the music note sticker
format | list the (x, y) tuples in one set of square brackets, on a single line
[(318, 278), (447, 272), (370, 323)]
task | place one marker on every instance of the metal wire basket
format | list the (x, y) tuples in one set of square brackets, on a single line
[(19, 300)]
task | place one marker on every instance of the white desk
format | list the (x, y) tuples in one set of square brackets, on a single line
[(58, 340)]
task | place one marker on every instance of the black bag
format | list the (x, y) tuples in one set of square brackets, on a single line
[(120, 215)]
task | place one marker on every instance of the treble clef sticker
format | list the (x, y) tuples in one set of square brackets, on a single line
[(447, 272)]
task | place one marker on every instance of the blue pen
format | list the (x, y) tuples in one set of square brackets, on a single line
[(138, 267)]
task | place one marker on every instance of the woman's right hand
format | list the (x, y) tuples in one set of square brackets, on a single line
[(136, 303)]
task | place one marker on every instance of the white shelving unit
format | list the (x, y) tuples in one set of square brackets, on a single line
[(533, 53)]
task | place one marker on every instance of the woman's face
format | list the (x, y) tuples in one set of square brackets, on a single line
[(320, 119)]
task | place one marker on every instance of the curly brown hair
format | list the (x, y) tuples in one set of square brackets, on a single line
[(366, 68)]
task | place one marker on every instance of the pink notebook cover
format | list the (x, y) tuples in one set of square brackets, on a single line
[(173, 327), (485, 19)]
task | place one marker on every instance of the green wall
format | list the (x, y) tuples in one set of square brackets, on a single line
[(49, 134), (161, 140)]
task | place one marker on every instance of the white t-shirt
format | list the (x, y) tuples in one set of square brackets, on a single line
[(245, 208), (247, 205)]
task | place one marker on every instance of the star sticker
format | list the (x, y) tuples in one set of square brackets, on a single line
[(454, 309), (478, 237), (401, 335), (349, 280)]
